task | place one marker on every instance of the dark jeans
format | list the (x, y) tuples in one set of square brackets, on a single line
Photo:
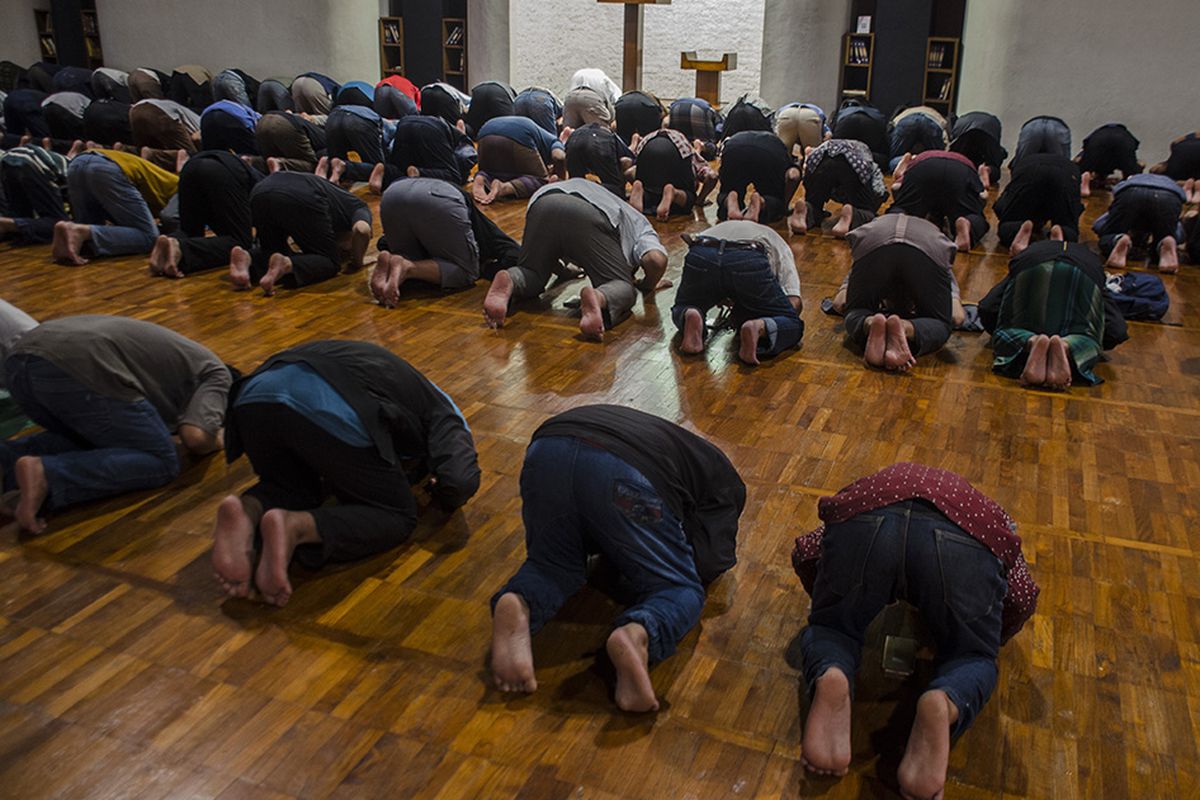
[(34, 203), (107, 122), (941, 190), (908, 551), (93, 446), (835, 179), (579, 500), (1142, 212), (299, 465), (914, 134), (899, 279), (660, 163), (220, 130), (346, 132), (298, 211), (214, 192), (714, 271)]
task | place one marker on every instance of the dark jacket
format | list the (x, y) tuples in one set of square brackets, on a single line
[(404, 413)]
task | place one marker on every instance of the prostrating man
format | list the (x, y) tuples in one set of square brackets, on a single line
[(843, 170), (658, 502), (274, 95), (697, 120), (334, 418), (759, 158), (1183, 162), (110, 186), (433, 233), (111, 392), (236, 86), (598, 81), (23, 116), (191, 86), (214, 194), (321, 218), (63, 112), (422, 146), (748, 113), (106, 123), (489, 100), (580, 222), (146, 82), (288, 141), (753, 268), (313, 93), (161, 128), (671, 176), (1108, 149), (359, 130), (800, 124), (1144, 214), (595, 149), (1050, 317), (928, 537), (915, 130), (34, 180), (1044, 189), (110, 84), (976, 135), (516, 158), (899, 294), (1042, 134), (584, 106), (228, 125), (639, 113), (540, 105), (943, 187), (859, 120)]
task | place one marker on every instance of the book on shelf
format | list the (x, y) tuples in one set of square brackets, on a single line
[(48, 46), (89, 24), (391, 33), (944, 92), (455, 35)]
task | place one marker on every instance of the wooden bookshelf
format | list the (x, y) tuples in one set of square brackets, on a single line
[(91, 38), (454, 52), (391, 46), (45, 30), (941, 73), (858, 57)]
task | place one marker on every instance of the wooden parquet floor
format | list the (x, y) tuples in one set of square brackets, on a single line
[(124, 673)]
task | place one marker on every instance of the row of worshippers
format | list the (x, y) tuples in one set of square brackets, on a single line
[(349, 441)]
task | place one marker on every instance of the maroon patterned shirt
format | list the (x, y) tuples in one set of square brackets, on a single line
[(960, 502)]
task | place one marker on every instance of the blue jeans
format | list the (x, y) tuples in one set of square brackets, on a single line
[(93, 446), (914, 134), (579, 500), (908, 551), (714, 271), (100, 193)]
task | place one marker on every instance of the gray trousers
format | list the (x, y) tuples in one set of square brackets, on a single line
[(564, 228), (428, 218)]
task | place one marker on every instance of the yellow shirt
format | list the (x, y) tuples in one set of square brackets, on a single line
[(156, 185)]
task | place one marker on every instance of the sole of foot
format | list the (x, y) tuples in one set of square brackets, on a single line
[(495, 303), (271, 577), (825, 747), (962, 235), (749, 335), (1034, 373), (31, 481), (1058, 364), (277, 266), (379, 277), (841, 228), (233, 548), (1168, 256), (239, 268), (627, 649), (512, 649), (693, 333), (898, 357), (1120, 253), (591, 314), (1021, 240), (360, 240), (922, 772), (876, 341)]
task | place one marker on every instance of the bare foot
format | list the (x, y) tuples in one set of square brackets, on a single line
[(77, 147), (922, 772), (1168, 255), (1056, 233), (145, 153), (876, 326), (962, 234), (752, 330), (47, 144), (663, 212), (239, 267), (412, 171), (479, 190), (1021, 240), (985, 176), (637, 196), (693, 332), (274, 165), (233, 547), (181, 158), (898, 356), (396, 277), (1058, 364), (277, 266), (31, 481), (26, 139), (495, 303), (754, 207), (322, 168), (68, 240), (1120, 252), (1189, 187), (512, 650), (379, 277), (628, 647), (1034, 373), (360, 240), (798, 222), (1085, 185), (375, 182), (164, 258), (733, 208), (825, 748), (280, 534), (337, 168), (591, 309), (842, 227), (158, 255)]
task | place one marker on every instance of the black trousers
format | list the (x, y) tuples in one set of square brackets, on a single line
[(1109, 149), (835, 179), (63, 125), (344, 132), (299, 465), (34, 203), (1184, 161), (425, 146), (941, 190), (593, 148), (1144, 213), (660, 163), (23, 114), (899, 279), (1042, 196), (755, 161), (292, 209), (638, 113), (220, 130), (214, 192), (107, 122)]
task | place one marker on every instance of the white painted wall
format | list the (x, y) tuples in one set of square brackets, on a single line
[(802, 51), (1088, 62), (553, 38), (488, 49), (266, 38), (18, 31)]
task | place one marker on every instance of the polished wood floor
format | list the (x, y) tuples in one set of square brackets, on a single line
[(124, 673)]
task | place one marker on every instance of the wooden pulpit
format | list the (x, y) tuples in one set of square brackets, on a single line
[(708, 74), (631, 60)]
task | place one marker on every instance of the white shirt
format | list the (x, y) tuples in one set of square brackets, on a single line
[(598, 81)]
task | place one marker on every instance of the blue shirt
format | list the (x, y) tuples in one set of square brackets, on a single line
[(362, 86), (523, 131), (248, 116), (300, 388)]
